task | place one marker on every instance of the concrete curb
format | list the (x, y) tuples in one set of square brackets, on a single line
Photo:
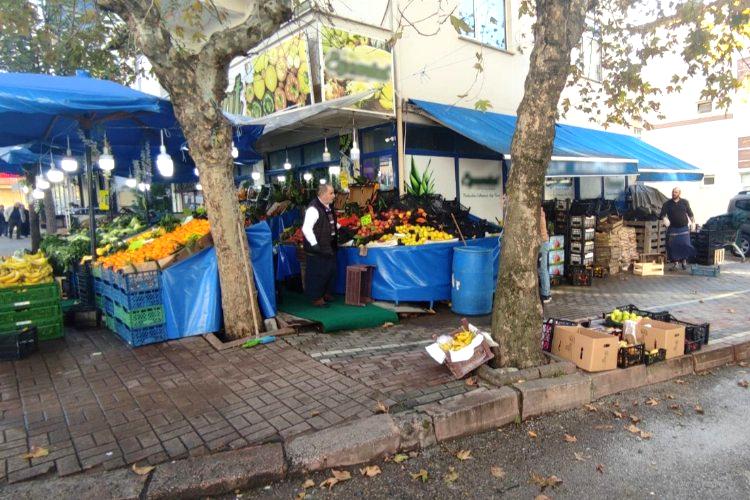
[(373, 437)]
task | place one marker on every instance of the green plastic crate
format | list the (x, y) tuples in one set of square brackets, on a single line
[(109, 322), (140, 318), (47, 329), (11, 298), (99, 300), (41, 311)]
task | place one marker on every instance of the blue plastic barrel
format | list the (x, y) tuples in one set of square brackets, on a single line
[(472, 285)]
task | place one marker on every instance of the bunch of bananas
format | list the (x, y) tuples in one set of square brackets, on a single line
[(458, 342), (27, 269)]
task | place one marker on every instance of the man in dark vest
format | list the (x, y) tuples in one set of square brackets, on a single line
[(320, 230)]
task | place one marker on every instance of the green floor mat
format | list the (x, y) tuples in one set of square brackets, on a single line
[(337, 316)]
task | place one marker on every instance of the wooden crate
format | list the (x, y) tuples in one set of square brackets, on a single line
[(718, 256), (359, 285), (650, 236), (648, 269), (712, 271)]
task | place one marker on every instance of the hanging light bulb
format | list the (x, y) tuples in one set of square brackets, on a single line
[(307, 176), (235, 151), (323, 181), (148, 187), (326, 153), (198, 186), (68, 163), (334, 170), (281, 178), (41, 182), (142, 187), (106, 160), (255, 176), (25, 189), (163, 161), (287, 164), (37, 194), (354, 152), (54, 174), (131, 182)]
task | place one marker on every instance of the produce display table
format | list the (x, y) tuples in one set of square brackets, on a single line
[(419, 273)]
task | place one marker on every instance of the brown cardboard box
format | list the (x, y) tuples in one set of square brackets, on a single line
[(661, 335), (562, 341), (595, 351)]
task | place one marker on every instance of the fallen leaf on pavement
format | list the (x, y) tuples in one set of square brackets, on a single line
[(617, 414), (679, 381), (300, 496), (36, 452), (579, 456), (532, 434), (635, 419), (570, 439), (341, 475), (142, 471), (670, 396), (590, 407), (604, 427), (381, 407), (370, 471), (698, 409), (743, 364), (387, 324), (308, 484), (731, 311), (471, 381), (600, 468), (400, 457), (464, 455), (422, 474), (413, 454), (314, 413), (645, 435), (616, 404), (632, 428), (652, 402), (542, 497), (674, 406), (545, 482), (743, 383), (497, 472), (451, 476)]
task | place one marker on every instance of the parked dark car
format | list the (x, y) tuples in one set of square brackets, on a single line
[(740, 206)]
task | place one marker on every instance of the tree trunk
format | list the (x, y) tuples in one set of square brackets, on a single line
[(49, 212), (210, 138), (517, 311)]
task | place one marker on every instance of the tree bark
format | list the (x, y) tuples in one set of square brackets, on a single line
[(197, 83), (517, 310), (49, 212)]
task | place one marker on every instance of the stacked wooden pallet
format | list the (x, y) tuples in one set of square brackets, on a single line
[(615, 245), (650, 235)]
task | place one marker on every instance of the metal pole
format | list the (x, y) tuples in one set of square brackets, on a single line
[(90, 180)]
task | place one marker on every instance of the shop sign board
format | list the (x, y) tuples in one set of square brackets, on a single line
[(353, 63), (480, 185), (275, 79)]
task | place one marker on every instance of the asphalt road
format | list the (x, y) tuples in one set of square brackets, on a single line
[(699, 447)]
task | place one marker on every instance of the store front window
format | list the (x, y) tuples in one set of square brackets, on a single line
[(590, 188), (486, 21), (559, 188), (614, 187)]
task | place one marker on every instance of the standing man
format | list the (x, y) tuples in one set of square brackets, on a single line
[(320, 230), (544, 285), (3, 222), (680, 216), (14, 221)]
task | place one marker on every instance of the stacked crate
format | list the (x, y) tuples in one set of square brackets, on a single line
[(580, 255), (131, 304), (33, 305), (709, 245), (650, 236), (556, 259)]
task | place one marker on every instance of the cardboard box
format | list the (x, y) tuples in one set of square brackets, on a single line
[(661, 335), (556, 242), (595, 351), (562, 341), (556, 256)]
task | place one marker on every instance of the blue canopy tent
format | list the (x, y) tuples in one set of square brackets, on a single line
[(577, 151), (42, 112)]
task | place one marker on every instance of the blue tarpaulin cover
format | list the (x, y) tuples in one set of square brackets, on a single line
[(574, 147), (42, 111), (191, 292), (410, 273)]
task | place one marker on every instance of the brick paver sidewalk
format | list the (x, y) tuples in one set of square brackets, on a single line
[(95, 402)]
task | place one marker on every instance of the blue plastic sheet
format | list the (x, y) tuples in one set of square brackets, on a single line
[(191, 292), (410, 273), (283, 221), (286, 263)]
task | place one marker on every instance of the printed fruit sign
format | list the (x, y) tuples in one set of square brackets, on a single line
[(278, 78), (355, 63)]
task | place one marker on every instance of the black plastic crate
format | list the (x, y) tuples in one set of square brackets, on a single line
[(630, 356), (548, 331), (580, 275), (692, 345), (18, 344), (630, 308), (713, 238), (650, 359), (694, 332)]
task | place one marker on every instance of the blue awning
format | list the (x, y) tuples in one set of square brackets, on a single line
[(577, 151)]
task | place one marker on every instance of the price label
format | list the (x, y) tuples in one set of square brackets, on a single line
[(18, 305), (365, 220)]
